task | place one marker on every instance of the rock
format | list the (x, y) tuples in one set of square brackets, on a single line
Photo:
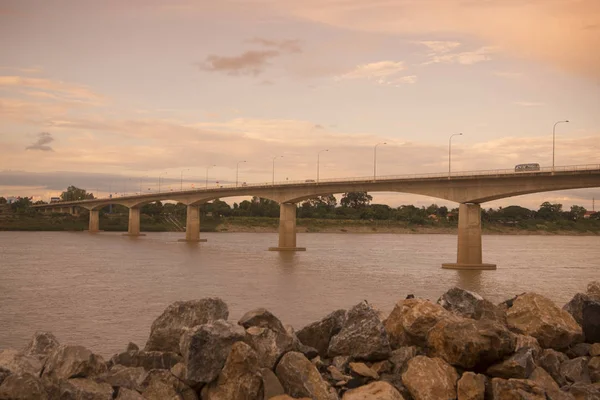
[(85, 389), (205, 349), (239, 379), (160, 384), (515, 389), (146, 359), (318, 334), (23, 386), (286, 397), (551, 360), (167, 329), (595, 350), (362, 336), (537, 316), (470, 343), (525, 341), (73, 362), (270, 345), (373, 391), (519, 366), (575, 370), (270, 383), (401, 356), (545, 381), (583, 391), (3, 374), (124, 377), (41, 345), (16, 363), (470, 305), (579, 350), (363, 370), (300, 378), (341, 362), (132, 347), (337, 375), (382, 366), (471, 386), (575, 306), (594, 369), (430, 379), (261, 318), (593, 290), (411, 320), (126, 394), (591, 321)]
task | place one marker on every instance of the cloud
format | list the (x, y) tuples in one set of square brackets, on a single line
[(529, 104), (290, 45), (66, 91), (381, 72), (44, 138), (508, 74), (443, 52)]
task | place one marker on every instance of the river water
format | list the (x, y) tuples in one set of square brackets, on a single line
[(104, 290)]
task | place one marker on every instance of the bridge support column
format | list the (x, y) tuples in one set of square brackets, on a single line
[(469, 239), (192, 225), (94, 221), (133, 228), (287, 229)]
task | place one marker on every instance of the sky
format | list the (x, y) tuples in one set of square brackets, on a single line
[(114, 96)]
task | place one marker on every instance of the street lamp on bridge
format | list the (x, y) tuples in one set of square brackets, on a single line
[(554, 139), (318, 156), (237, 170), (181, 179), (450, 152), (375, 160), (159, 175), (207, 168), (273, 179)]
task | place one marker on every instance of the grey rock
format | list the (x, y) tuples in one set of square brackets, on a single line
[(430, 379), (519, 366), (167, 329), (513, 389), (575, 306), (471, 305), (132, 347), (146, 359), (575, 370), (374, 391), (41, 345), (529, 342), (23, 386), (591, 321), (73, 362), (579, 350), (262, 318), (15, 362), (271, 385), (471, 386), (551, 361), (127, 394), (594, 369), (583, 391), (206, 347), (85, 389), (300, 378), (160, 384), (239, 379), (124, 377), (270, 345), (362, 336), (319, 334), (400, 357)]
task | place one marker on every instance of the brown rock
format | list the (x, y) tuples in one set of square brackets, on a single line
[(537, 316), (430, 379), (160, 384), (73, 362), (127, 377), (363, 370), (300, 378), (411, 320), (575, 370), (15, 363), (270, 345), (373, 391), (595, 350), (337, 375), (286, 397), (593, 289), (84, 389), (382, 366), (525, 341), (262, 318), (575, 306), (23, 386), (594, 369), (519, 366), (41, 345), (146, 359), (318, 334), (126, 394), (471, 305), (400, 357), (270, 383), (471, 386), (551, 360), (516, 389), (546, 382)]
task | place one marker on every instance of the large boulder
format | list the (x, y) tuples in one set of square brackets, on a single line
[(205, 349), (537, 316), (551, 361), (239, 379), (471, 386), (300, 378), (527, 342), (471, 305), (160, 384), (400, 357), (124, 377), (575, 306), (591, 321), (14, 362), (23, 387), (575, 370), (546, 382), (127, 394), (430, 379), (470, 343), (519, 366), (270, 384), (410, 321), (41, 345), (593, 290), (318, 334), (270, 345), (515, 389), (584, 391), (85, 389), (262, 318), (146, 359), (73, 362), (374, 391), (167, 329), (362, 336)]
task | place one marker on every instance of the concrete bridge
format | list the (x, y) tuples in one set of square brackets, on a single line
[(469, 189)]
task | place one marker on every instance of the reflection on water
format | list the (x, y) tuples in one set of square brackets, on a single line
[(104, 290)]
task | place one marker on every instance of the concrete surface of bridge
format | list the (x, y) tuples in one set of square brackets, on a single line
[(469, 189)]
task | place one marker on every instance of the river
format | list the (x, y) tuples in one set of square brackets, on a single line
[(104, 290)]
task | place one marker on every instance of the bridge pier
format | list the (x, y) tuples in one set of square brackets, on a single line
[(94, 221), (192, 225), (287, 229), (469, 254), (133, 228)]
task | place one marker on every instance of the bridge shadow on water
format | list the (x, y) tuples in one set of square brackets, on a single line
[(469, 280)]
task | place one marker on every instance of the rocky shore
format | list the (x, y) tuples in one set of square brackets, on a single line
[(460, 347)]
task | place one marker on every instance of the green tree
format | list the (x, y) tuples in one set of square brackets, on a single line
[(3, 200), (74, 193), (21, 205), (577, 212), (550, 212), (356, 200)]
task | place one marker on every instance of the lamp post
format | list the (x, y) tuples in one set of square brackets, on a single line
[(554, 139), (237, 170), (375, 160), (159, 180), (318, 156), (273, 178), (450, 152), (181, 179), (207, 168)]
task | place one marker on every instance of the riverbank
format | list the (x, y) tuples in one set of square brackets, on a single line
[(460, 347)]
